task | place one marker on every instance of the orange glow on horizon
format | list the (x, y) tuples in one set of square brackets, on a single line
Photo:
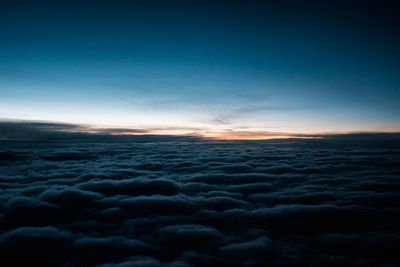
[(210, 132), (232, 135), (263, 137), (214, 135)]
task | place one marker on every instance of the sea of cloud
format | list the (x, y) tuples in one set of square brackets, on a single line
[(275, 203)]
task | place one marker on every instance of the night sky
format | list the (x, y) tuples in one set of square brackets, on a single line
[(208, 68)]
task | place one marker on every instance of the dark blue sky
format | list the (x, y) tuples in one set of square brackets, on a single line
[(206, 67)]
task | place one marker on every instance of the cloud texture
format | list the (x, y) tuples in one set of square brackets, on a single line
[(274, 203)]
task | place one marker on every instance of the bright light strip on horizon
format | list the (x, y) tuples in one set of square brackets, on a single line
[(181, 122)]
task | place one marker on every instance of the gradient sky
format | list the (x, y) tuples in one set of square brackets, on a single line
[(214, 68)]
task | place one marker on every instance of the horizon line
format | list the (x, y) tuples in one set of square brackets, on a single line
[(12, 129)]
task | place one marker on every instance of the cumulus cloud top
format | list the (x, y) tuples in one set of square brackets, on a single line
[(189, 204)]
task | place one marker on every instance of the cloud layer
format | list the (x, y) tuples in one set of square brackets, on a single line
[(188, 204)]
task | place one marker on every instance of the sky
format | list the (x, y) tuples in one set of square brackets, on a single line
[(225, 69)]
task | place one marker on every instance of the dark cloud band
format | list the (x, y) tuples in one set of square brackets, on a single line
[(276, 203)]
